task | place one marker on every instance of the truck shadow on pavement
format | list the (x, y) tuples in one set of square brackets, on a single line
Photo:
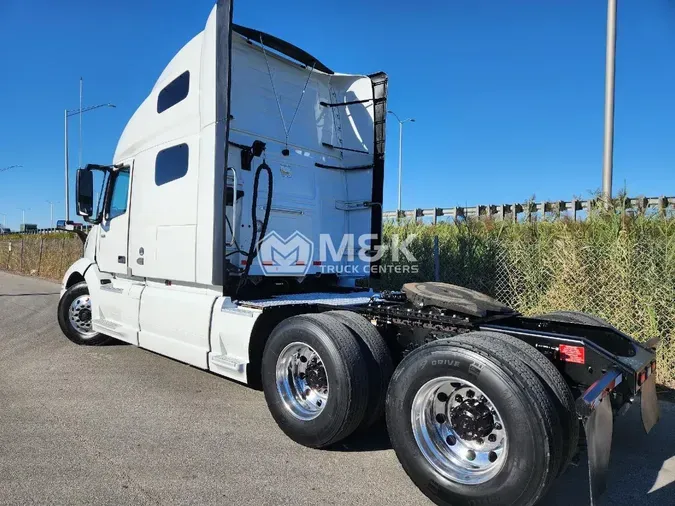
[(371, 440), (642, 466), (641, 469)]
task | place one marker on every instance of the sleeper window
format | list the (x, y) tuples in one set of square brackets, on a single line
[(174, 92), (171, 164)]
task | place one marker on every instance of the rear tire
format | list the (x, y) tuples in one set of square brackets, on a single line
[(531, 454), (315, 379), (378, 362), (74, 315), (558, 390)]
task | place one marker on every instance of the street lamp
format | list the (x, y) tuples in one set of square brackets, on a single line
[(23, 218), (610, 64), (67, 114), (400, 155), (51, 213)]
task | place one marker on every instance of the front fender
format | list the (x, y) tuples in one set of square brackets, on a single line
[(88, 270)]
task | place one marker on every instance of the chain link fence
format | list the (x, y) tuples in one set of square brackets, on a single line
[(624, 274), (45, 256)]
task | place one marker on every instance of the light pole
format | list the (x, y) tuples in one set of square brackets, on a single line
[(67, 114), (51, 213), (23, 218), (400, 155), (610, 64), (4, 220)]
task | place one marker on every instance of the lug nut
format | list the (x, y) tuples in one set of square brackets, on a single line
[(498, 426), (303, 359), (471, 455), (440, 418), (443, 397), (451, 440), (479, 441), (458, 398), (308, 391), (301, 375), (318, 403), (492, 438), (470, 394), (492, 456)]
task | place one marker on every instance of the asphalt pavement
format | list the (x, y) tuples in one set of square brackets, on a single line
[(121, 425)]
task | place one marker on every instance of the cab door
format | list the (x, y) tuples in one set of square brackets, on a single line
[(112, 254), (115, 306)]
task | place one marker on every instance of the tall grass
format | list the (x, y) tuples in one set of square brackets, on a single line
[(618, 266)]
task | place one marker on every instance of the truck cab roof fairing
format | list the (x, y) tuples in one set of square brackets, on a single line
[(283, 47)]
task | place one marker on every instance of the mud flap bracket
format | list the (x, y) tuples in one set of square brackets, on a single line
[(595, 408)]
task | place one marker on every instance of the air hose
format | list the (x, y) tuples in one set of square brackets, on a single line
[(253, 248)]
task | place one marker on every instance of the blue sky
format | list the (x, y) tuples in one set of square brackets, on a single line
[(508, 95)]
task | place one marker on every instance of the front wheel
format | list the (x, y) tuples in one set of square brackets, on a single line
[(74, 315)]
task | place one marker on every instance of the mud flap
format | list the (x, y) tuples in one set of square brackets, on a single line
[(595, 409), (599, 427), (649, 403)]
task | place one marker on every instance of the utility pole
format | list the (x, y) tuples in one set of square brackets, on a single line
[(51, 213), (4, 220), (400, 156), (610, 65), (67, 114), (23, 217), (79, 145)]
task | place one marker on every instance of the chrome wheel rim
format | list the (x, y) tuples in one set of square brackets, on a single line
[(302, 381), (79, 314), (459, 431)]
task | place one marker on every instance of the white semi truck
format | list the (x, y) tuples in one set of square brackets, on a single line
[(230, 236)]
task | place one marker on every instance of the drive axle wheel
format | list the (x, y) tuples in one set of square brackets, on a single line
[(472, 424), (74, 315), (315, 379), (301, 381), (458, 430)]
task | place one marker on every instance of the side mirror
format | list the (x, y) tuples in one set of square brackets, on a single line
[(84, 190)]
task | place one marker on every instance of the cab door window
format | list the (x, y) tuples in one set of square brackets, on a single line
[(119, 198)]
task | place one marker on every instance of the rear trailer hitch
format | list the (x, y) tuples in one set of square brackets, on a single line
[(595, 409)]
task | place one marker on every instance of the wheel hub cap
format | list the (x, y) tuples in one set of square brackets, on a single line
[(79, 314), (459, 430), (302, 381), (472, 420)]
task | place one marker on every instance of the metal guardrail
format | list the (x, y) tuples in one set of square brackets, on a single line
[(40, 231), (512, 211)]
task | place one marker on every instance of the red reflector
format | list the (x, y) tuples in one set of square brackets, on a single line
[(267, 263), (573, 354), (642, 378), (300, 263), (243, 262), (653, 366), (317, 262)]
